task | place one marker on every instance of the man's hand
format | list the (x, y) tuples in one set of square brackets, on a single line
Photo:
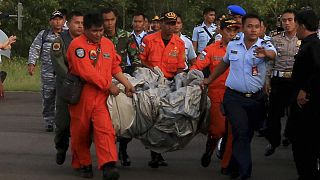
[(1, 90), (7, 45), (31, 69), (267, 87), (260, 52), (302, 98), (129, 90), (114, 90)]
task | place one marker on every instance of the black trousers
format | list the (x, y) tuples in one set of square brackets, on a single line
[(304, 133), (244, 114), (279, 101)]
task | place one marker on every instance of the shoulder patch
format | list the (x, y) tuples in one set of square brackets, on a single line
[(80, 52), (236, 38), (56, 46)]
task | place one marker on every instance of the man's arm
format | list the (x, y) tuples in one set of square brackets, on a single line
[(1, 90), (127, 84), (221, 68), (34, 52)]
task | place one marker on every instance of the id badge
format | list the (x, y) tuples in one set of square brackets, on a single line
[(255, 71)]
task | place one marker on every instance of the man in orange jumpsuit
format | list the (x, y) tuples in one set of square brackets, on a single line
[(93, 57), (165, 50), (211, 56)]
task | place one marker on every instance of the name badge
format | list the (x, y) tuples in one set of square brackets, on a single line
[(106, 55)]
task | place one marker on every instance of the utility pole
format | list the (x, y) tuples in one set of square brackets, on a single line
[(19, 16)]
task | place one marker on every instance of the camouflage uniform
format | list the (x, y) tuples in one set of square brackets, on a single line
[(60, 64), (127, 48), (40, 49)]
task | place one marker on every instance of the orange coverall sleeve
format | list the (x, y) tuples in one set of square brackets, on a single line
[(116, 64), (202, 61), (84, 68)]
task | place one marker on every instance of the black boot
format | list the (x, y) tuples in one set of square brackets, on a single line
[(110, 172), (154, 163), (60, 156), (86, 171), (123, 155), (206, 157), (162, 161)]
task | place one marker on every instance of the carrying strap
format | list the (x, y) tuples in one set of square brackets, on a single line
[(205, 28)]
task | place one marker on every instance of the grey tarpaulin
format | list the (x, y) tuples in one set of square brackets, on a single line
[(163, 114)]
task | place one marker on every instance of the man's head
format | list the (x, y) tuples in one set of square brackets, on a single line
[(146, 24), (228, 29), (168, 23), (288, 20), (236, 12), (138, 22), (263, 29), (307, 23), (155, 23), (64, 13), (251, 26), (209, 15), (75, 23), (93, 26), (179, 24), (56, 20), (110, 16)]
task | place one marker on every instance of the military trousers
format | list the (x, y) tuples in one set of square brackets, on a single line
[(48, 93)]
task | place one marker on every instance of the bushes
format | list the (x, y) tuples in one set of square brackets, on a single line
[(18, 78)]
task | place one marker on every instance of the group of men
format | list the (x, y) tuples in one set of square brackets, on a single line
[(244, 66)]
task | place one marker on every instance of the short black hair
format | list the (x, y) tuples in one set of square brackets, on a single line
[(179, 16), (249, 16), (92, 19), (309, 19), (290, 11), (109, 10), (207, 10), (72, 14), (139, 14)]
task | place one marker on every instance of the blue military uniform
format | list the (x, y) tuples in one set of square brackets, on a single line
[(244, 99), (202, 34)]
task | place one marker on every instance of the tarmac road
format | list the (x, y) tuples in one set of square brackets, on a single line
[(27, 152)]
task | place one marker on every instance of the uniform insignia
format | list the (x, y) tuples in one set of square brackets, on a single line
[(80, 53), (202, 55), (201, 32), (217, 58), (237, 37), (298, 43), (106, 55), (174, 52), (234, 52), (56, 46), (93, 54), (141, 49)]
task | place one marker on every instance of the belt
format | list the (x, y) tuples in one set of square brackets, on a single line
[(282, 74), (247, 95)]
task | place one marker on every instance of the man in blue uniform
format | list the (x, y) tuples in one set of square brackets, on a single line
[(244, 99)]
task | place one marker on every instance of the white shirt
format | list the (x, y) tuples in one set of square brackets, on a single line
[(139, 37), (201, 36), (190, 53)]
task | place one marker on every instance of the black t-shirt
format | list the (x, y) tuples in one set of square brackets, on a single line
[(166, 42)]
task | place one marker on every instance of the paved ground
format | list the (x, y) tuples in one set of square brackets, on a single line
[(27, 152)]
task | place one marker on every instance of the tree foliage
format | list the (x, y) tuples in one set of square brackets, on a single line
[(37, 13)]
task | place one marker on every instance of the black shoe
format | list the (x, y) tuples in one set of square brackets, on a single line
[(161, 161), (155, 159), (49, 128), (225, 171), (269, 150), (124, 159), (60, 157), (110, 172), (206, 158), (86, 171), (286, 142)]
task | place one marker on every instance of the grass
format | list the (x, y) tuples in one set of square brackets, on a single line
[(18, 78)]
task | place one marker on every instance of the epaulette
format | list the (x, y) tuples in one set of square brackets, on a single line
[(275, 33), (186, 36), (197, 25), (236, 38)]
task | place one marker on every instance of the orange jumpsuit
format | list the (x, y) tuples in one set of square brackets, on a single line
[(91, 111), (168, 58), (212, 56)]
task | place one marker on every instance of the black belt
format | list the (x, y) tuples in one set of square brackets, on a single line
[(247, 95)]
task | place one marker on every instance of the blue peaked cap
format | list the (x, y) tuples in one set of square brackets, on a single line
[(236, 10)]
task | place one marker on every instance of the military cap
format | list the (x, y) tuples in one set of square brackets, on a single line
[(155, 18), (56, 14), (169, 16), (228, 22), (236, 10)]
